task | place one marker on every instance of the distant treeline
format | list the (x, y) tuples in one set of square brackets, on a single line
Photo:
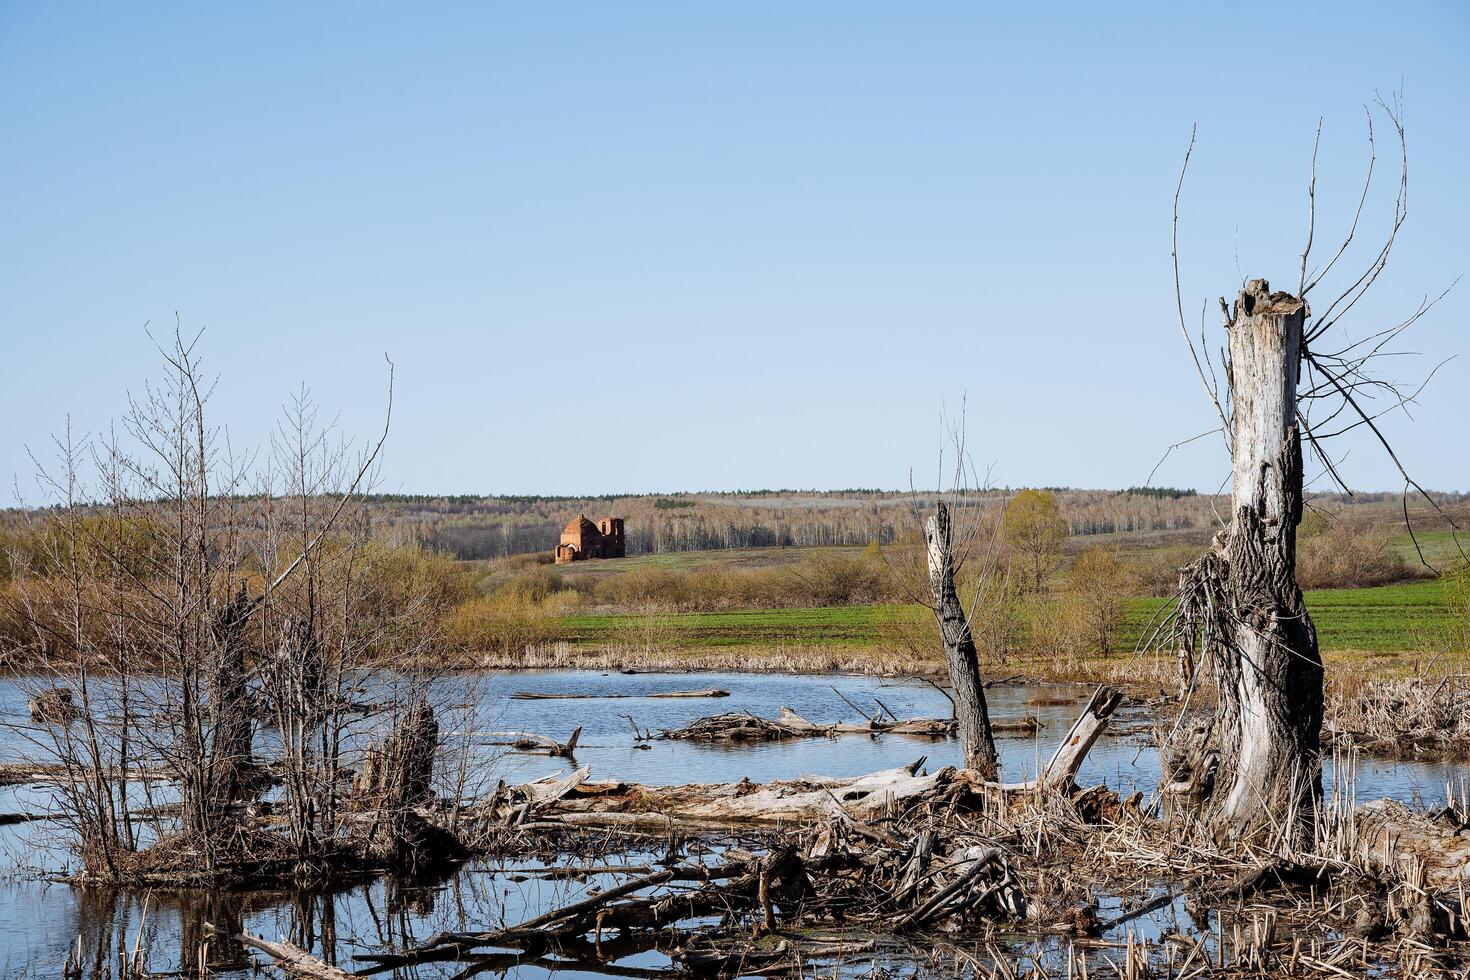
[(1170, 492), (471, 527), (495, 527)]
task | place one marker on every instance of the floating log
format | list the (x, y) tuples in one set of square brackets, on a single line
[(743, 727), (711, 692)]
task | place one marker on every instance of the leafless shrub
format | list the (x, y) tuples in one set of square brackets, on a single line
[(1091, 606), (1333, 554), (504, 625), (184, 593)]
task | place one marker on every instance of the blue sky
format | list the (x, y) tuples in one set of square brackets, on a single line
[(659, 246)]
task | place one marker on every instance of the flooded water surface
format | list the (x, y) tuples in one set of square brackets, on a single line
[(41, 921)]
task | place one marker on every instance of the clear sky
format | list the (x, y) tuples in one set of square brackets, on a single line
[(658, 246)]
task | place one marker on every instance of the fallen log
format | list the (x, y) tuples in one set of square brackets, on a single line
[(1060, 771), (1397, 838), (1274, 873), (291, 959), (710, 692), (534, 932), (16, 773), (1123, 918), (744, 803)]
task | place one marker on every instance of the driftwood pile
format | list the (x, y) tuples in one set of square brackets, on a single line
[(574, 800), (738, 726), (900, 863), (890, 852), (857, 865)]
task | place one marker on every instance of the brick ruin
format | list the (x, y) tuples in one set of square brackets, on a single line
[(582, 539)]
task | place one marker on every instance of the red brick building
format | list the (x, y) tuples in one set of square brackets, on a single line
[(582, 539)]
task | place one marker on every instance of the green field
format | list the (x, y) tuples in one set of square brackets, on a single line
[(1406, 617), (1442, 549)]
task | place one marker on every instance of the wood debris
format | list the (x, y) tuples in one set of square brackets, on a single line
[(737, 726)]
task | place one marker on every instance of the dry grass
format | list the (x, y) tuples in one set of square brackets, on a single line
[(779, 659), (1407, 716)]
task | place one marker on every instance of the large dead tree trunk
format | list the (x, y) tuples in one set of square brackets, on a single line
[(971, 716), (231, 723), (1266, 659)]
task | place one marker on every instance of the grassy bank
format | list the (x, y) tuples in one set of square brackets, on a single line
[(831, 626), (1379, 632)]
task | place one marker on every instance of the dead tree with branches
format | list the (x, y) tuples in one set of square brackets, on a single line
[(1240, 608), (959, 536)]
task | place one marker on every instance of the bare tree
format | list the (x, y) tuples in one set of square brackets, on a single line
[(165, 580), (1240, 607), (949, 544)]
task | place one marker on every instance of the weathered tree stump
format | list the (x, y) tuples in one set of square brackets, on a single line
[(1241, 601), (399, 770), (971, 716), (54, 706)]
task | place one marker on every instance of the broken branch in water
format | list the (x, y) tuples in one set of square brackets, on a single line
[(532, 742), (290, 959)]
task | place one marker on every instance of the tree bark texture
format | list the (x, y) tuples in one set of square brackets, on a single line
[(1267, 663), (231, 724), (972, 718)]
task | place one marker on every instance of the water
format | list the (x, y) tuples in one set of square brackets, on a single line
[(41, 920)]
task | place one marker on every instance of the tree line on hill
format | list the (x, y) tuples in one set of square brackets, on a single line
[(498, 527)]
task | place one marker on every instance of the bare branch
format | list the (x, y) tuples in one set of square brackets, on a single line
[(1301, 287), (347, 495), (1179, 294)]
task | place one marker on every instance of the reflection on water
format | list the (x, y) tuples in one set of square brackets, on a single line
[(41, 921)]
